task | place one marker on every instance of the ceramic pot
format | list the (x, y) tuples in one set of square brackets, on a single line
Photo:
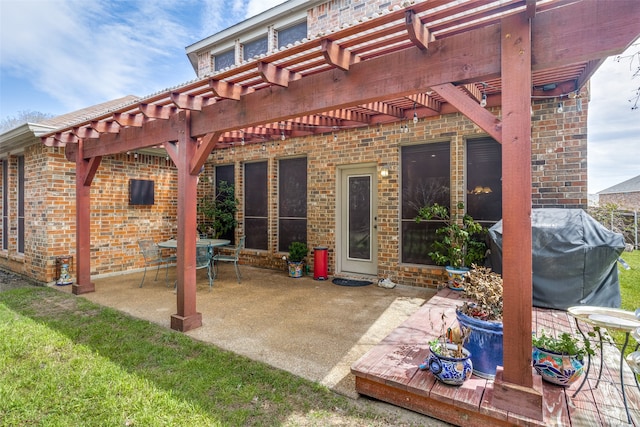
[(296, 269), (485, 344), (450, 370), (557, 368), (456, 277)]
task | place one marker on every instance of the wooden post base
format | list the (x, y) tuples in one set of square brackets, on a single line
[(186, 323), (79, 289), (518, 399)]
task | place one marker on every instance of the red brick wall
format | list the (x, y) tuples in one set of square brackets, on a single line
[(339, 13), (559, 180), (559, 154), (559, 177), (50, 229), (629, 200)]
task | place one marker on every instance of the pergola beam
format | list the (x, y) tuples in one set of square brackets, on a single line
[(276, 75), (419, 35), (470, 108), (338, 56)]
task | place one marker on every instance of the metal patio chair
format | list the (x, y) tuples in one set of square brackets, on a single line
[(232, 257), (153, 256), (204, 256)]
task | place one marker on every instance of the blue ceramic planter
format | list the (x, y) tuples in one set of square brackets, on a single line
[(450, 370), (485, 344), (557, 368)]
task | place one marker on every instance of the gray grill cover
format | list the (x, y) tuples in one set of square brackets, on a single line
[(574, 259)]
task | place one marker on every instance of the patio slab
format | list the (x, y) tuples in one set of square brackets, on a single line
[(310, 328)]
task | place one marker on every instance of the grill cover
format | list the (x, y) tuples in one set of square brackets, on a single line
[(574, 259)]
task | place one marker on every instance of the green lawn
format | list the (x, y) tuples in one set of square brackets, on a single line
[(630, 281), (630, 290), (65, 361)]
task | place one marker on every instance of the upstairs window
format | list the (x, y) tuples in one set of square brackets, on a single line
[(224, 60), (290, 35), (255, 48)]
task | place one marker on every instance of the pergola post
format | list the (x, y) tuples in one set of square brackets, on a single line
[(187, 317), (514, 384), (85, 170)]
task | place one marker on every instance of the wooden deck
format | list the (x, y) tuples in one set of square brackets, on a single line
[(389, 372)]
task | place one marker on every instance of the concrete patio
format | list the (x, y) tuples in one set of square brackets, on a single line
[(313, 329)]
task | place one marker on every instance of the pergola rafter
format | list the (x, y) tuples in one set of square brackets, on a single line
[(436, 55)]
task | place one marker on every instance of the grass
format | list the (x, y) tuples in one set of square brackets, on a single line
[(66, 361), (629, 290), (630, 281)]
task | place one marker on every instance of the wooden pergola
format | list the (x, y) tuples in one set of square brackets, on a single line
[(428, 58)]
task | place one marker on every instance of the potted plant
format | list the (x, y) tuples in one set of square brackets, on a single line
[(297, 253), (455, 246), (219, 212), (560, 360), (482, 314), (448, 360)]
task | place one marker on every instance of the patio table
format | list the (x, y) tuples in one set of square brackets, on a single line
[(611, 319), (173, 243)]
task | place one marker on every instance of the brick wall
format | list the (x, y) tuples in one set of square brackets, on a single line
[(559, 180), (336, 14), (559, 177), (559, 154), (50, 228), (630, 200)]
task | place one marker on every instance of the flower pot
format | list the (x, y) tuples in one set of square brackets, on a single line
[(450, 370), (296, 269), (456, 277), (485, 344), (557, 368)]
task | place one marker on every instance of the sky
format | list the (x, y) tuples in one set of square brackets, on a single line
[(58, 56)]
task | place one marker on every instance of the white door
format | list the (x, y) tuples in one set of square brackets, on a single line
[(358, 226)]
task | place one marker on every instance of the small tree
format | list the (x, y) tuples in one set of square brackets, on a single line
[(21, 118), (456, 246), (219, 212)]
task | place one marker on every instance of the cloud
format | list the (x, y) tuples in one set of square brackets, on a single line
[(82, 53), (255, 7), (614, 128)]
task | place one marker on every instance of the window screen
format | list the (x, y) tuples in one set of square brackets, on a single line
[(226, 173), (484, 180), (292, 202), (256, 210), (425, 180)]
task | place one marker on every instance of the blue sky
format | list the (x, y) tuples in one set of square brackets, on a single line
[(58, 56)]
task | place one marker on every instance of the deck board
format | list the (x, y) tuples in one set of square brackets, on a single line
[(389, 372)]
